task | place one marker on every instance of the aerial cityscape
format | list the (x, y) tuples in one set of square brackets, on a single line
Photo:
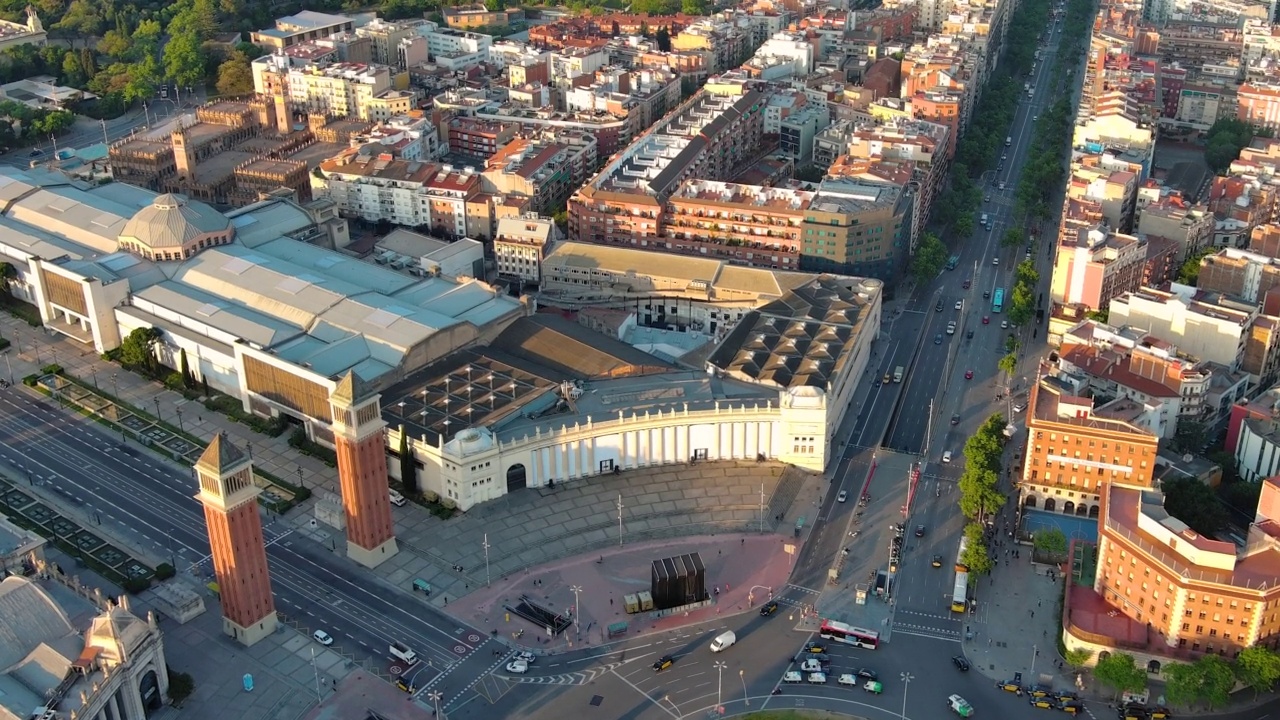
[(648, 360)]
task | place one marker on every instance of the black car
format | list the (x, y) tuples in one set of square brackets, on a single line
[(938, 307), (867, 673), (969, 335), (955, 419), (663, 663), (986, 294), (919, 531), (769, 608), (961, 664)]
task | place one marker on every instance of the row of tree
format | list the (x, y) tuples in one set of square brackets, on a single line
[(929, 259), (980, 496), (1022, 300), (1208, 681)]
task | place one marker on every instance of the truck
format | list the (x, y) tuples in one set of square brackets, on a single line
[(723, 641), (953, 262), (402, 651), (897, 374)]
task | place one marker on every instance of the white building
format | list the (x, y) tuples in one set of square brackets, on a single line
[(1213, 332), (520, 245), (446, 45), (113, 668)]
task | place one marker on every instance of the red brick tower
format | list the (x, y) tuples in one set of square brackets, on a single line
[(362, 470), (235, 538)]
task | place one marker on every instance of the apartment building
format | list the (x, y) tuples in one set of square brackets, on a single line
[(520, 245), (478, 138), (1092, 265), (1185, 594), (1116, 191), (1170, 215), (1253, 436), (479, 15), (376, 188), (385, 38), (1207, 327), (1075, 450), (709, 137), (305, 26), (924, 144), (456, 49), (1127, 363), (541, 171)]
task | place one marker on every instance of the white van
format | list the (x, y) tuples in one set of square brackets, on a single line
[(818, 678), (723, 641), (396, 498)]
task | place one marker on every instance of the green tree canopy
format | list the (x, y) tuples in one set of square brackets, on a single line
[(1195, 504), (1051, 542), (138, 349), (977, 557), (1216, 680), (930, 258), (1258, 667), (1008, 364), (235, 77), (980, 496), (1181, 684), (1189, 272), (1011, 238), (1077, 657), (1119, 672)]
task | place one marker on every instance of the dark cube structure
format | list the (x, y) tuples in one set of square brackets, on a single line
[(679, 580)]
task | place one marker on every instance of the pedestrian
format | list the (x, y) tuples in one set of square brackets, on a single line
[(1038, 603), (1033, 613), (610, 601), (744, 541), (717, 551)]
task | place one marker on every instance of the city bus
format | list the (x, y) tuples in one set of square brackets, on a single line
[(850, 635), (960, 596), (997, 301)]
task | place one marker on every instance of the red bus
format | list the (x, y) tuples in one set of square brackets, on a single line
[(848, 634)]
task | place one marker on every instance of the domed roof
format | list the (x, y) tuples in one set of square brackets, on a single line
[(173, 221)]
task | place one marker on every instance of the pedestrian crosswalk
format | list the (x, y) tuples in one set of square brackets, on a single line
[(574, 678), (923, 624)]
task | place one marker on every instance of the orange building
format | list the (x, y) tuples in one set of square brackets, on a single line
[(1073, 449), (1162, 590)]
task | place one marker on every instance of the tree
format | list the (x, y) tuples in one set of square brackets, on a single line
[(187, 380), (235, 77), (146, 39), (1189, 272), (1119, 671), (1011, 238), (138, 349), (1195, 504), (116, 45), (408, 468), (977, 557), (184, 60), (1008, 364), (663, 39), (1052, 543), (181, 685), (1022, 304), (1026, 274), (1216, 680), (1258, 667), (8, 273), (1181, 684), (1077, 657), (931, 256), (979, 495), (964, 223)]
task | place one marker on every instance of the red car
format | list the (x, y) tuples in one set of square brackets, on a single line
[(986, 320), (968, 374)]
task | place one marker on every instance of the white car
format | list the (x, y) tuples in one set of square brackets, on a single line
[(844, 495), (995, 261), (1001, 184), (322, 637), (946, 457), (959, 304), (518, 667), (525, 657), (1004, 324)]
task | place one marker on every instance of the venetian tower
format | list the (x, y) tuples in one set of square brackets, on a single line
[(362, 471), (230, 503)]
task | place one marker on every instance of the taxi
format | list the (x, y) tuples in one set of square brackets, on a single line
[(1010, 686), (960, 706), (1044, 703), (663, 663)]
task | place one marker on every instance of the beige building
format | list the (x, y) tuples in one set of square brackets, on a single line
[(520, 245), (342, 90), (1213, 329)]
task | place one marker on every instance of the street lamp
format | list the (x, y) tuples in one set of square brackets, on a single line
[(485, 545), (719, 666), (575, 589), (115, 392), (156, 402), (9, 364), (300, 483), (619, 519), (1035, 653), (180, 427), (745, 699), (906, 683), (435, 698)]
